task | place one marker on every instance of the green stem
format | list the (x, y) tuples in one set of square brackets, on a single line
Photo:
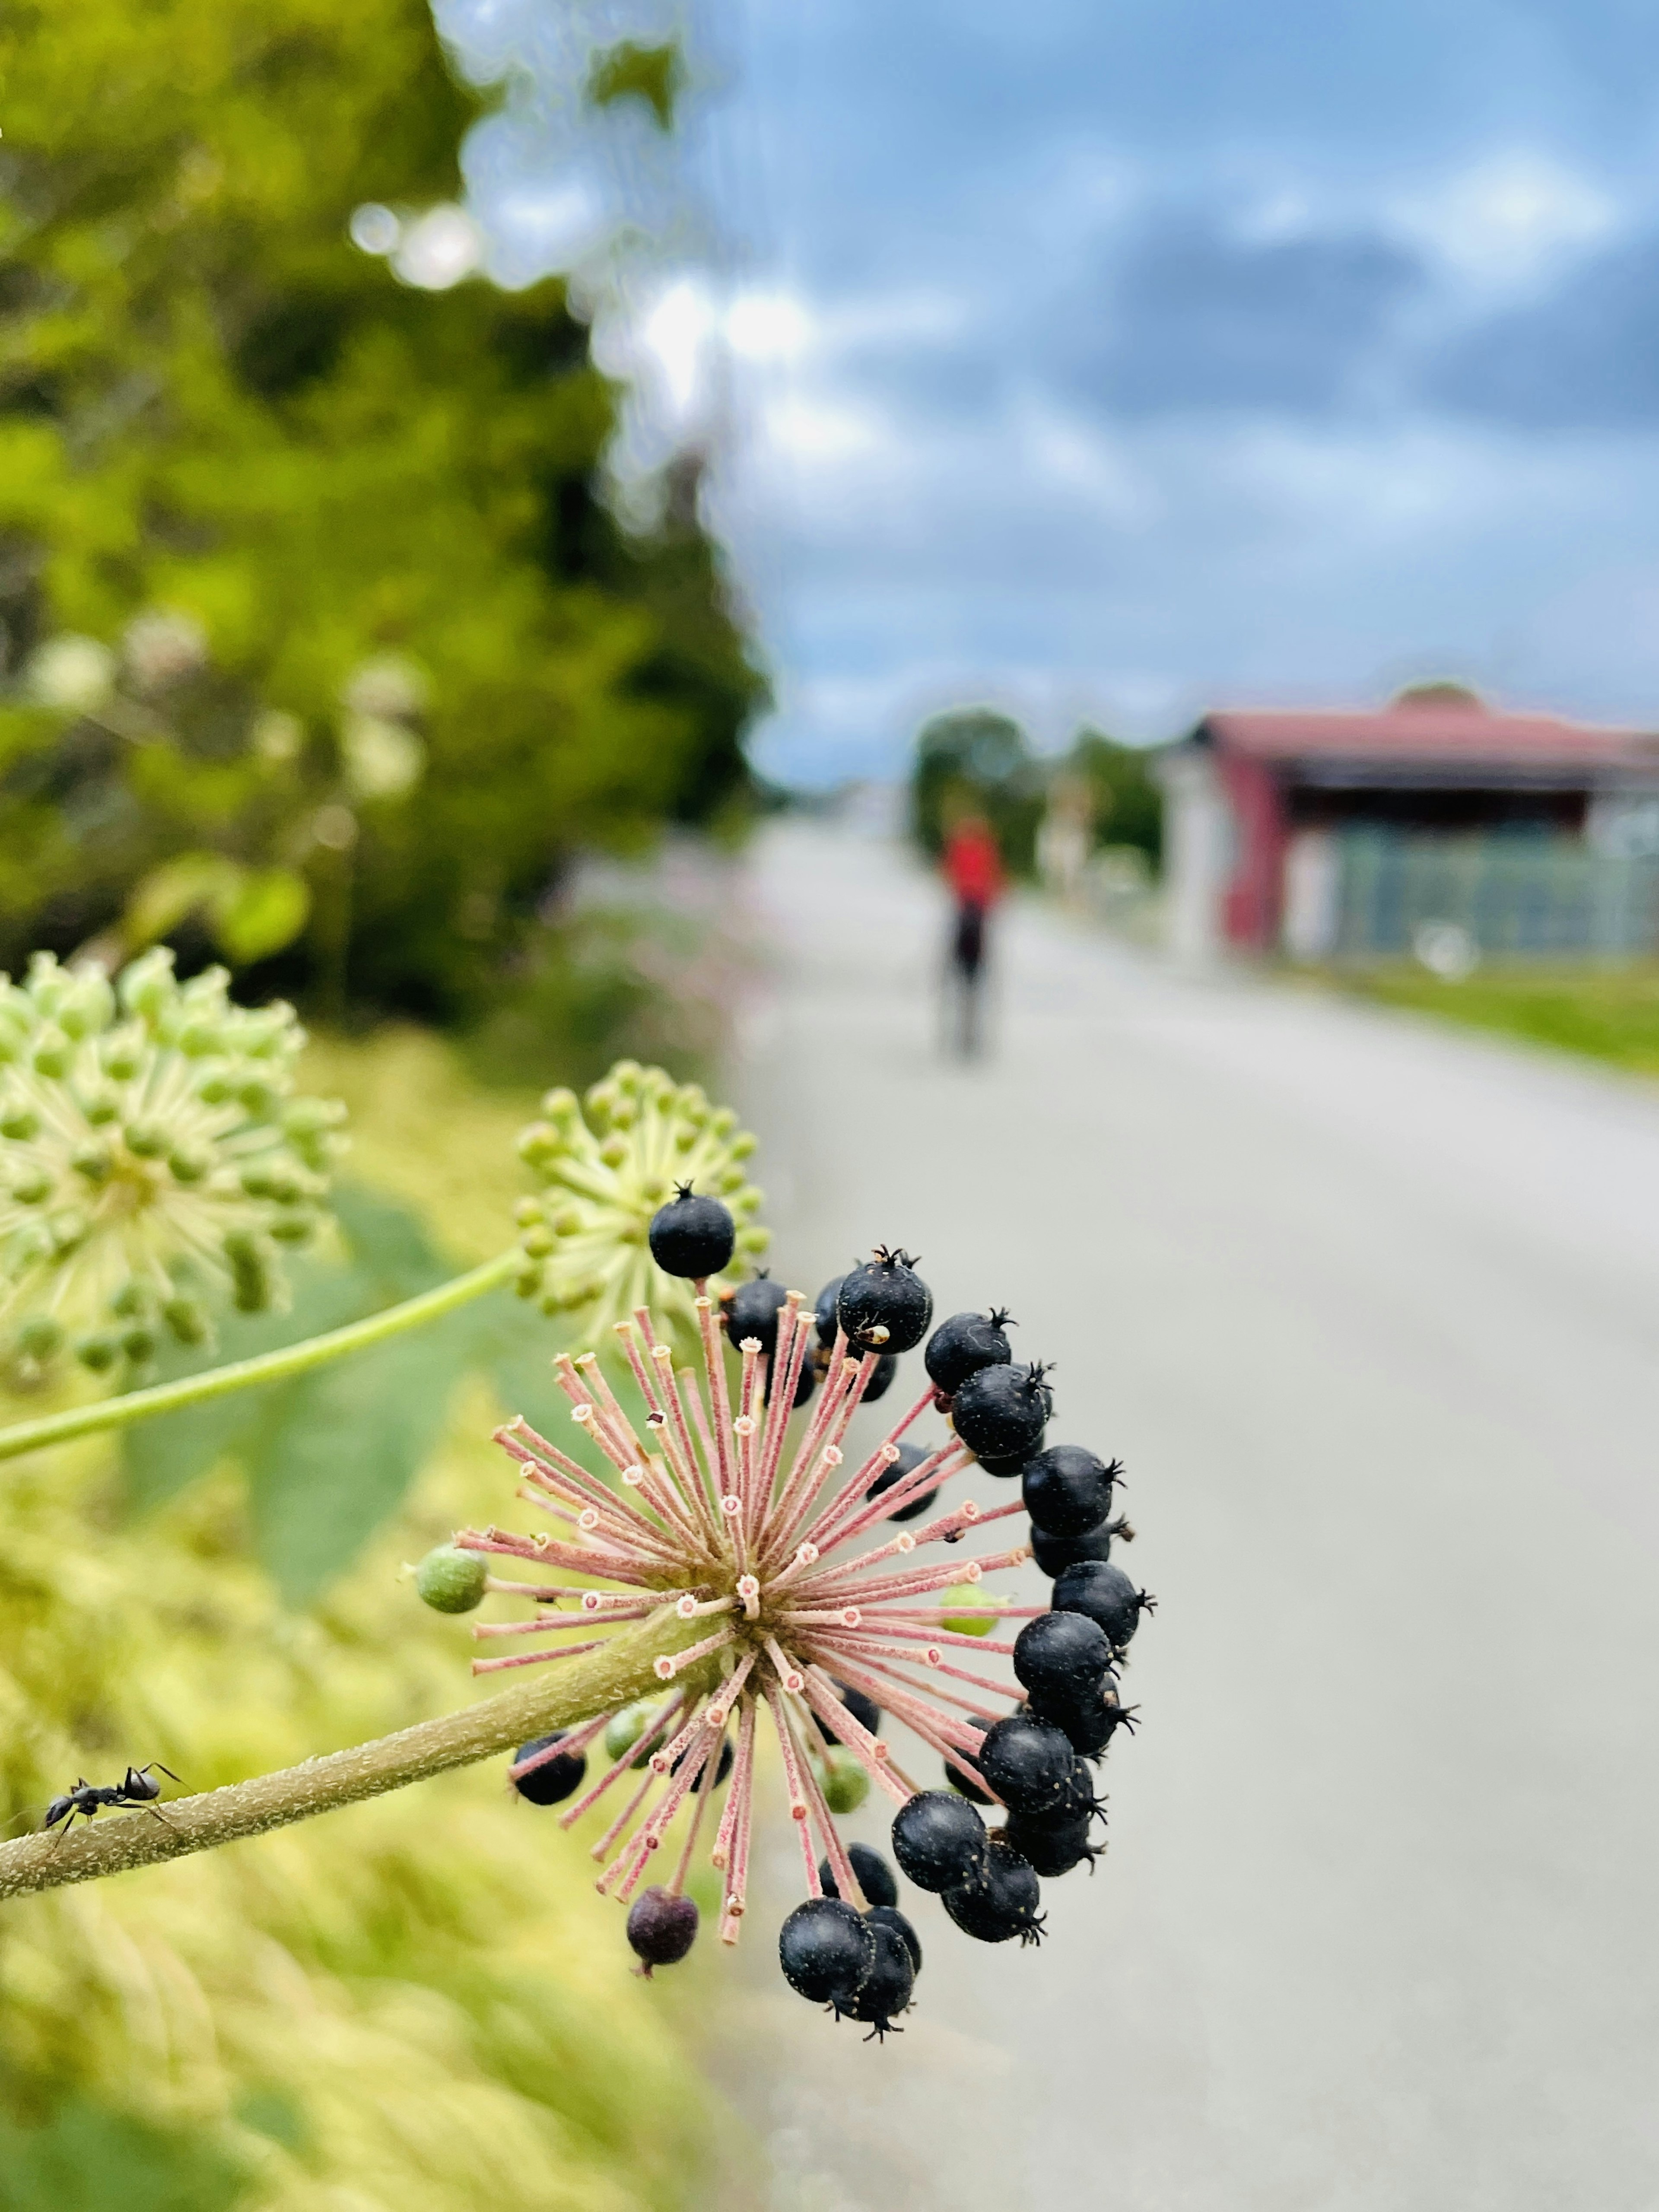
[(598, 1683), (268, 1367)]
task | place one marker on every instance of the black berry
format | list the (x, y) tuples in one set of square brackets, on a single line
[(1106, 1595), (752, 1310), (955, 1776), (864, 1711), (824, 1312), (661, 1929), (886, 1989), (805, 1382), (722, 1769), (551, 1783), (1003, 1902), (884, 1306), (1067, 1491), (910, 1457), (692, 1236), (881, 1378), (826, 1950), (999, 1412), (939, 1840), (1053, 1554), (1026, 1761), (875, 1876), (1062, 1656), (1004, 1464), (889, 1916), (1053, 1847), (959, 1347)]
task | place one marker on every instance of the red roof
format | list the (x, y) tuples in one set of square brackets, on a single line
[(1436, 733)]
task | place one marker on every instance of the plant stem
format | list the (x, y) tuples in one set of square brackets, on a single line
[(268, 1367), (619, 1674)]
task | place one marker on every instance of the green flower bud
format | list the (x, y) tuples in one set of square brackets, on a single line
[(450, 1581), (97, 1352), (536, 1243), (138, 1343), (528, 1212), (753, 1242), (41, 1337), (136, 1297), (147, 988), (189, 1165), (567, 1222), (20, 1123), (615, 1150), (101, 1107), (147, 1140), (540, 1142), (188, 1319), (96, 1163), (52, 1055), (33, 1187), (293, 1227)]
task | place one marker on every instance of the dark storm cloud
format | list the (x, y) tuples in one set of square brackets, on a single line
[(1197, 319), (1584, 358)]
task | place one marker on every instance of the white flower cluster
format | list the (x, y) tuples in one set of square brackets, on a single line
[(153, 1159), (607, 1170)]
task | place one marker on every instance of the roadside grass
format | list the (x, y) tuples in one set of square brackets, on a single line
[(1610, 1014)]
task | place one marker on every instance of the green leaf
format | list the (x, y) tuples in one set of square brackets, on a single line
[(264, 909), (654, 74), (341, 1445)]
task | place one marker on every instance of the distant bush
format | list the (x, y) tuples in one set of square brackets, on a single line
[(974, 758), (1128, 802)]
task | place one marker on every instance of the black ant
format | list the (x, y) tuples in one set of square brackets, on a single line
[(138, 1789)]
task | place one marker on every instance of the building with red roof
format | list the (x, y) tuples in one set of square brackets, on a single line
[(1283, 824)]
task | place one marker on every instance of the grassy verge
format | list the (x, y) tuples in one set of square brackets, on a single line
[(418, 2002), (1607, 1014)]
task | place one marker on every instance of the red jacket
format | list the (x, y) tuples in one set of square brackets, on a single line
[(973, 865)]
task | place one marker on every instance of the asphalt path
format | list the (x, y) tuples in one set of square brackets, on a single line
[(1370, 1309)]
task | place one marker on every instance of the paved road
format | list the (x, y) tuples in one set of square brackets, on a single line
[(1372, 1313)]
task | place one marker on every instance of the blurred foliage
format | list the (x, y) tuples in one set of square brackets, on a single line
[(653, 75), (973, 758), (1129, 803), (415, 2005), (1609, 1014), (313, 619)]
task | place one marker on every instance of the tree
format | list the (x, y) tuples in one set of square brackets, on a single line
[(430, 663), (1129, 803), (972, 756)]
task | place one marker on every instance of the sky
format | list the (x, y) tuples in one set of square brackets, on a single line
[(1110, 359)]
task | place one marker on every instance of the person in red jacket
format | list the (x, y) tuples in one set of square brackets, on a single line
[(972, 868)]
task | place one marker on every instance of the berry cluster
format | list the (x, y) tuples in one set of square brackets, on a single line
[(152, 1156), (609, 1162), (713, 1522)]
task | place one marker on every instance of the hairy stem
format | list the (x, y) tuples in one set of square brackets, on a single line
[(268, 1367), (618, 1674)]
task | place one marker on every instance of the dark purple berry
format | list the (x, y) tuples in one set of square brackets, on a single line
[(889, 1916), (1003, 1902), (692, 1236), (555, 1780), (1106, 1595), (721, 1770), (1063, 1655), (959, 1347), (939, 1840), (824, 1313), (661, 1929), (1000, 1412), (1053, 1847), (826, 1951), (955, 1776), (864, 1711), (875, 1876), (1067, 1491), (884, 1306), (1026, 1762), (1053, 1554), (886, 1989), (751, 1311), (910, 1457), (881, 1378), (1088, 1724), (1003, 1466), (805, 1382)]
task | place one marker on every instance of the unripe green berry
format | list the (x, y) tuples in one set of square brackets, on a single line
[(134, 1298), (846, 1785), (124, 1056), (96, 1162), (614, 1151), (188, 1165), (148, 1140), (139, 1344), (528, 1212), (624, 1729), (965, 1623), (754, 1241), (567, 1222), (101, 1107), (20, 1123), (97, 1352), (32, 1188), (293, 1227), (538, 1143), (537, 1243), (450, 1581)]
